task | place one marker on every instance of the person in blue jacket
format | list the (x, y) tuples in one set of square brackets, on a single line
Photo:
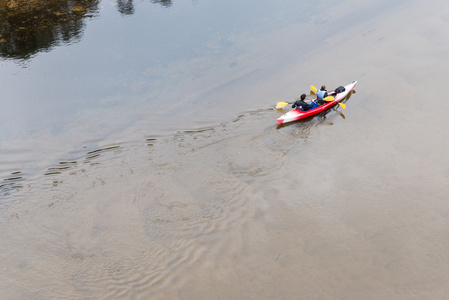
[(301, 104), (322, 93)]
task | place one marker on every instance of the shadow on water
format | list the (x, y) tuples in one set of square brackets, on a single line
[(316, 119), (33, 26)]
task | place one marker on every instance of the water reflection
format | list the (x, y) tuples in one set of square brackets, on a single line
[(29, 27), (166, 3), (126, 7)]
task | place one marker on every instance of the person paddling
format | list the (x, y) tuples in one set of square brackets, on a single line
[(322, 93), (301, 104)]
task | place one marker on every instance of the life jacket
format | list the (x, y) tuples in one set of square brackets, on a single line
[(321, 94)]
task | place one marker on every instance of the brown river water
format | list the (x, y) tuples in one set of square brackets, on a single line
[(140, 156)]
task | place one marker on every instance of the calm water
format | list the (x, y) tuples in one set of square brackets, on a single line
[(140, 157)]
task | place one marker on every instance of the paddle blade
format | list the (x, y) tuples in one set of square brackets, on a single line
[(329, 98), (313, 88), (281, 104), (342, 105)]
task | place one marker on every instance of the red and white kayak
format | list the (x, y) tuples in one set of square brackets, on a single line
[(296, 114)]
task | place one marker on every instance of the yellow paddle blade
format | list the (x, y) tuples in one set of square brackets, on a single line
[(329, 98), (342, 105), (313, 88), (281, 104)]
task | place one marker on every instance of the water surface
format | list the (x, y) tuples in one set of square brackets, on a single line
[(140, 156)]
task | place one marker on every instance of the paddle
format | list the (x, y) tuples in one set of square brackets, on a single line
[(331, 98), (328, 98), (282, 104)]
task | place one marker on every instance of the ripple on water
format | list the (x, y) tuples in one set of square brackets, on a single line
[(138, 218)]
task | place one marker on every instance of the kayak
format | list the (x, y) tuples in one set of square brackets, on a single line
[(296, 114)]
